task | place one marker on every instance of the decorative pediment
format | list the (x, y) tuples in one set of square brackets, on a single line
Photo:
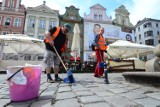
[(97, 6), (43, 8), (122, 9)]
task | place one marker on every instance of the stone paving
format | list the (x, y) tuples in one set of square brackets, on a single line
[(88, 91)]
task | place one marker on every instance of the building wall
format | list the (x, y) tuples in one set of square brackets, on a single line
[(40, 19), (15, 13), (142, 28), (72, 17)]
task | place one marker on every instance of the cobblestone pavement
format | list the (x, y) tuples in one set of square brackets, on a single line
[(88, 91)]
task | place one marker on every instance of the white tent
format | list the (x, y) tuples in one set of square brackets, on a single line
[(19, 43), (126, 49)]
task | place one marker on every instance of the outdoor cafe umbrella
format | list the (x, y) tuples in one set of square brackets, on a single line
[(127, 49), (19, 43), (75, 48)]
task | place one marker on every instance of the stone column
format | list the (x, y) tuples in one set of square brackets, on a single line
[(47, 23), (36, 27), (26, 25)]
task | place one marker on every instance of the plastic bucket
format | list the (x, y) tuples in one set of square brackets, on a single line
[(28, 91)]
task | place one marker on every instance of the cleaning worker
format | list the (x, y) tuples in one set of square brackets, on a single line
[(56, 36), (100, 48)]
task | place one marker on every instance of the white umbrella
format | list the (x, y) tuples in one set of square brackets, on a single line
[(75, 48), (19, 43), (126, 49)]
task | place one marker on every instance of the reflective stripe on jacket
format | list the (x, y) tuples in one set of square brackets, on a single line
[(54, 35), (102, 44)]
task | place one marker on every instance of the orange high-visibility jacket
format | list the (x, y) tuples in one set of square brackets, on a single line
[(102, 44), (54, 35)]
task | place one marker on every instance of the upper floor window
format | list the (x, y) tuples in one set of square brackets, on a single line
[(0, 20), (17, 22), (157, 32), (149, 24), (157, 25), (138, 28), (52, 24), (32, 23), (140, 37), (7, 22), (10, 4), (100, 17), (72, 17), (95, 17), (148, 33), (42, 23)]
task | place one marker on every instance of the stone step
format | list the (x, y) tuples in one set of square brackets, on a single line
[(148, 78)]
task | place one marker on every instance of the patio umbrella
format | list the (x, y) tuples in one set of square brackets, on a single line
[(126, 49), (19, 43), (75, 48)]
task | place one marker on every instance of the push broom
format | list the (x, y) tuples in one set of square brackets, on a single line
[(70, 78)]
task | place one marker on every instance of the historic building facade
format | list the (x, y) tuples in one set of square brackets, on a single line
[(72, 17), (122, 20), (92, 22), (147, 31), (12, 16), (40, 19)]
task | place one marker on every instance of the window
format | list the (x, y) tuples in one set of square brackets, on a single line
[(52, 24), (149, 42), (41, 37), (148, 33), (95, 16), (4, 33), (135, 39), (140, 37), (0, 20), (17, 22), (7, 22), (27, 57), (10, 4), (31, 36), (42, 23), (100, 17), (72, 17), (149, 24), (157, 32), (156, 24), (32, 23), (138, 28), (40, 58)]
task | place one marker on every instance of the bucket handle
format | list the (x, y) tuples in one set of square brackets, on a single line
[(14, 74)]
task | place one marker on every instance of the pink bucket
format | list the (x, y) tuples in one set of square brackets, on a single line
[(30, 90)]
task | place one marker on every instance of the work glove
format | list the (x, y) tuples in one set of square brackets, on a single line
[(105, 51)]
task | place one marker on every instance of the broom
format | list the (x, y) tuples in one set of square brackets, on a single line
[(70, 77)]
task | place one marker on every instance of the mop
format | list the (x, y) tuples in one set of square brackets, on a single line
[(69, 78)]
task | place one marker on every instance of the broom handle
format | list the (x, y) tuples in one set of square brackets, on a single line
[(60, 58)]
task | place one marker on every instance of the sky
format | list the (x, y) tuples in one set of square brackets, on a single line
[(138, 9)]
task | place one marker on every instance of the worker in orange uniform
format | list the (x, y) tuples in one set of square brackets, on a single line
[(100, 48)]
